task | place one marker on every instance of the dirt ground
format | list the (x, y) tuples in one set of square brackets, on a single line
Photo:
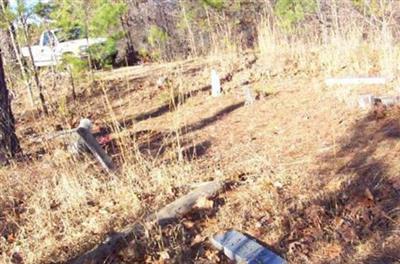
[(315, 178)]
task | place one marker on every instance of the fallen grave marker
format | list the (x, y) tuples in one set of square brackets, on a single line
[(242, 249), (355, 81), (368, 100)]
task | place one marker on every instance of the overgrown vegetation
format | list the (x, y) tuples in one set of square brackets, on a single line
[(307, 172)]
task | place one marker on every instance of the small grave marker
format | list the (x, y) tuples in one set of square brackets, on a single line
[(390, 100), (241, 248), (368, 100), (215, 84), (248, 95), (365, 101), (87, 142)]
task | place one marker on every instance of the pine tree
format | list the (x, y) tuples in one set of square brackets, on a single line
[(9, 144), (96, 18)]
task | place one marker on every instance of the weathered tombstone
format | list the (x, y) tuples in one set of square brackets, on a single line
[(88, 143), (390, 100), (242, 249), (355, 81), (365, 101), (248, 95), (215, 84), (368, 100)]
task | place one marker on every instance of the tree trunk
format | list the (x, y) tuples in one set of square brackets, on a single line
[(9, 144), (191, 35), (5, 41), (35, 70), (17, 53)]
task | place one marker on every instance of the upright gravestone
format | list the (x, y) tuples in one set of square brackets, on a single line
[(242, 249), (248, 96), (365, 101), (215, 84)]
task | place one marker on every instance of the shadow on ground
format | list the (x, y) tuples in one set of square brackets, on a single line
[(155, 143), (177, 241), (362, 210)]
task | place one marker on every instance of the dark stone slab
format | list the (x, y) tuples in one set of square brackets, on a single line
[(243, 249)]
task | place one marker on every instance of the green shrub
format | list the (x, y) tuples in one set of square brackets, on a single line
[(291, 12)]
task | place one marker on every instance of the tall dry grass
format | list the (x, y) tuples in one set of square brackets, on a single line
[(66, 205), (350, 51)]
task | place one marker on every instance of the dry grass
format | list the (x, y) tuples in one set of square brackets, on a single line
[(317, 179)]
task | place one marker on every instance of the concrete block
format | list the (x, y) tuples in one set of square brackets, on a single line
[(355, 81), (242, 249)]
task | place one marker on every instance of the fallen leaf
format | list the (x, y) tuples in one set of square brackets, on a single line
[(164, 255), (348, 234), (212, 255), (17, 258), (104, 140), (369, 194), (197, 239), (333, 250), (188, 224), (11, 238)]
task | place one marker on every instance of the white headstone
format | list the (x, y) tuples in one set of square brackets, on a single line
[(215, 84), (365, 101), (248, 95)]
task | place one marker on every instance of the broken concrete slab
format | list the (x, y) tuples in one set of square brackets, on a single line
[(356, 81), (243, 249), (389, 100), (368, 100)]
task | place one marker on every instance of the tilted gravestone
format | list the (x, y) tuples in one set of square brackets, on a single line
[(88, 143), (242, 249)]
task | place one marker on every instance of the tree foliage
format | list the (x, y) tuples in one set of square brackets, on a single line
[(291, 12), (217, 4), (95, 18)]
